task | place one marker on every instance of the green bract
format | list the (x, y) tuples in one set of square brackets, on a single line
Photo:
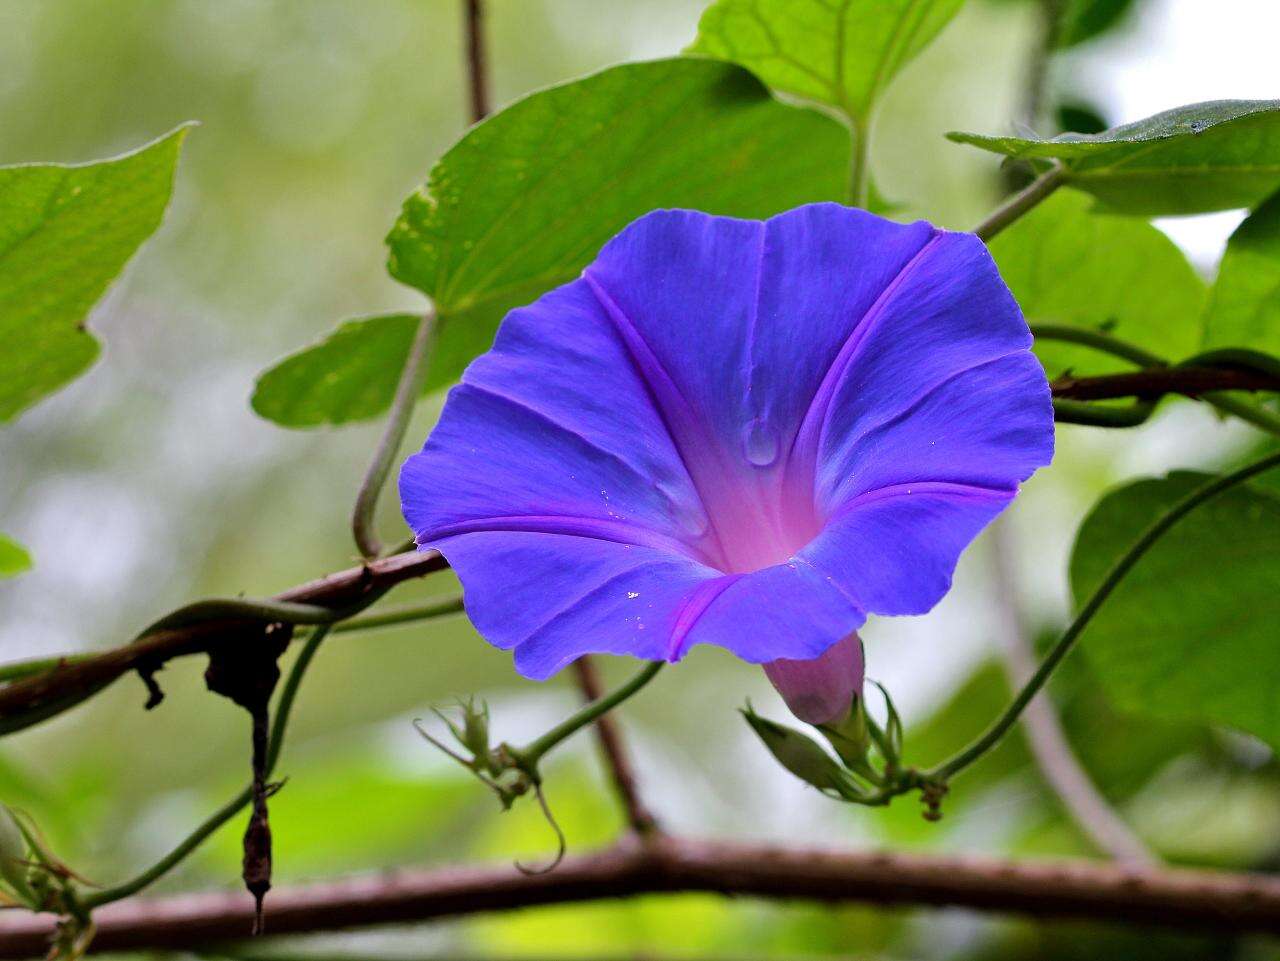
[(1191, 632), (65, 233), (1208, 156)]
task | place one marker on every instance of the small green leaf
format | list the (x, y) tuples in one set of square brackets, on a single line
[(524, 201), (1244, 305), (1190, 633), (65, 233), (839, 53), (1069, 265), (14, 559), (1208, 156), (351, 375)]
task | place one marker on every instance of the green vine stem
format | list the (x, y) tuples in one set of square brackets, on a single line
[(527, 757), (859, 151), (284, 707), (1021, 202), (375, 477), (405, 614), (947, 769)]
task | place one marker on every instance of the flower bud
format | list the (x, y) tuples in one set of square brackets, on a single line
[(822, 691)]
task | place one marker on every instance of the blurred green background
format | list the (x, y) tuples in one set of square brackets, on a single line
[(150, 482)]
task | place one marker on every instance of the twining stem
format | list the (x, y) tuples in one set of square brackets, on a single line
[(375, 478), (1098, 341), (404, 614), (256, 609), (17, 670), (527, 757), (1018, 204), (284, 708), (1066, 642), (1127, 416)]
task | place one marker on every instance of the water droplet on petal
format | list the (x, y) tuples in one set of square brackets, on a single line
[(687, 511), (761, 444)]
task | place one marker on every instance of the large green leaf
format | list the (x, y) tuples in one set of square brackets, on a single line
[(1244, 308), (838, 52), (524, 201), (1191, 632), (350, 375), (14, 558), (65, 233), (1068, 265), (1208, 156)]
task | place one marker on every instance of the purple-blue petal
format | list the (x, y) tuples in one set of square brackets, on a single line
[(741, 433)]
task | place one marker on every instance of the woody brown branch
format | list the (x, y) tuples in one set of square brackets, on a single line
[(664, 865), (74, 679), (640, 819), (1156, 382)]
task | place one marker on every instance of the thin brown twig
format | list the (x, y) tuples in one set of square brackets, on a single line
[(477, 60), (665, 865), (639, 817)]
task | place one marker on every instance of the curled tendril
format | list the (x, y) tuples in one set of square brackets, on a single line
[(562, 844)]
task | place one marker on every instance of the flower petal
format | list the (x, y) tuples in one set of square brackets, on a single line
[(552, 430), (896, 548), (638, 464), (554, 598), (939, 384)]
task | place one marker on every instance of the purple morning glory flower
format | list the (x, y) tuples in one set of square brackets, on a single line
[(734, 432)]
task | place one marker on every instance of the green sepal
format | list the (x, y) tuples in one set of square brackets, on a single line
[(14, 858), (803, 757)]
